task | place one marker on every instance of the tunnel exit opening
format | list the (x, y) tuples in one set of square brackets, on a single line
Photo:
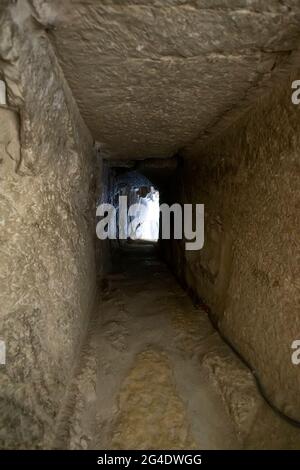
[(144, 215), (138, 213)]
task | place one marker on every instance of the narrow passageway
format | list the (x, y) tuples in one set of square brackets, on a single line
[(163, 376), (149, 216)]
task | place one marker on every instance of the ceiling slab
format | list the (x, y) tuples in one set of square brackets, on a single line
[(150, 76)]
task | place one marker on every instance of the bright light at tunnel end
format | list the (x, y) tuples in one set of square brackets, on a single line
[(135, 215)]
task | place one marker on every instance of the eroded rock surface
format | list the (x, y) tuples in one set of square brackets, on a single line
[(248, 269), (47, 267), (165, 379), (157, 74)]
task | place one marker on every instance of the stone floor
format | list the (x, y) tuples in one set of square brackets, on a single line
[(154, 374)]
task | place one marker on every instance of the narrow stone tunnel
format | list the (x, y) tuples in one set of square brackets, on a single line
[(140, 343)]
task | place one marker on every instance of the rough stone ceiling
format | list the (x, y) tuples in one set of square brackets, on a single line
[(151, 76)]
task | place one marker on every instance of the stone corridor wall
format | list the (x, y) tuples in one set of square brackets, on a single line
[(248, 270), (47, 269)]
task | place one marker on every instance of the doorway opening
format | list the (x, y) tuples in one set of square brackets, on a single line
[(142, 220)]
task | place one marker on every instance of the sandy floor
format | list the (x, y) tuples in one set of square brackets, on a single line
[(155, 374)]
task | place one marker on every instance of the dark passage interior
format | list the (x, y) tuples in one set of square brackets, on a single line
[(137, 342)]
